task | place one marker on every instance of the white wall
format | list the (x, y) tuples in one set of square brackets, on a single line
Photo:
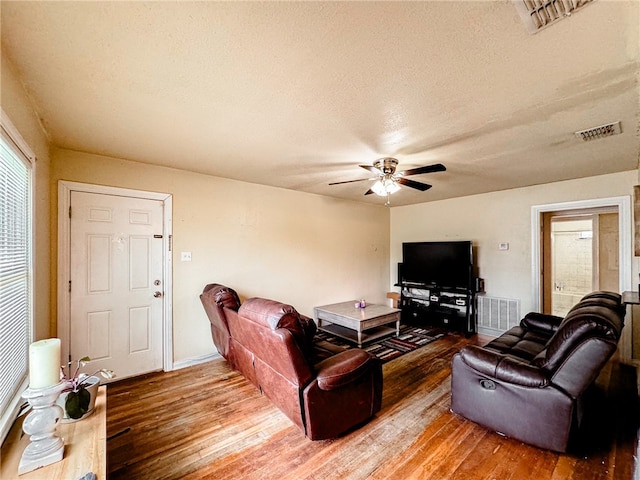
[(301, 249), (17, 105), (492, 218)]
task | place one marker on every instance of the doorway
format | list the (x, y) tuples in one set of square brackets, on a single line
[(580, 255), (622, 205), (114, 278)]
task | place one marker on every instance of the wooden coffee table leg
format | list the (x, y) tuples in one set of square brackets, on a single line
[(359, 338)]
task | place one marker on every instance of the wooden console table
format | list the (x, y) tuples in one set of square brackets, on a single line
[(85, 444)]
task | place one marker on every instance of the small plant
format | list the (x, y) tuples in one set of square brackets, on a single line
[(78, 398)]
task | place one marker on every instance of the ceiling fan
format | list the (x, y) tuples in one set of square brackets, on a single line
[(388, 181)]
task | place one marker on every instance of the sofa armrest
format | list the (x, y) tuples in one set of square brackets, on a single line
[(344, 368), (541, 322), (503, 367)]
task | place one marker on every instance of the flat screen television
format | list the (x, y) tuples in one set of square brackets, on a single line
[(442, 264)]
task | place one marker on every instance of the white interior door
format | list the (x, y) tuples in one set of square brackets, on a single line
[(116, 282)]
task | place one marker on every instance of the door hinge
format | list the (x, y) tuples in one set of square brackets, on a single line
[(69, 286), (170, 242), (69, 211)]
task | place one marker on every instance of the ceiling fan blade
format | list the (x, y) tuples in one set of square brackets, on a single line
[(350, 181), (371, 168), (413, 184), (368, 192), (436, 167)]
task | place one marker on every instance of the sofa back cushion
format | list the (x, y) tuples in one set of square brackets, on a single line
[(215, 298), (226, 297), (274, 315), (275, 335), (587, 322)]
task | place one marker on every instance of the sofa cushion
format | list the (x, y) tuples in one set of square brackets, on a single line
[(519, 343), (228, 298), (309, 327), (601, 301), (215, 298), (583, 322), (274, 315), (540, 322), (503, 367)]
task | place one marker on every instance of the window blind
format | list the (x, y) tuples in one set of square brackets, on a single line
[(15, 273)]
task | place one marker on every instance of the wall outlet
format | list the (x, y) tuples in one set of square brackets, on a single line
[(185, 256), (503, 246)]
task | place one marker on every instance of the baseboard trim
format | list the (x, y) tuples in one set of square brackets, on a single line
[(490, 332), (189, 362)]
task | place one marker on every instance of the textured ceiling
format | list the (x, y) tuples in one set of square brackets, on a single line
[(297, 94)]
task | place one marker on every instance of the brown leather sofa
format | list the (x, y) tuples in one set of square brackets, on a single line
[(528, 383), (324, 393)]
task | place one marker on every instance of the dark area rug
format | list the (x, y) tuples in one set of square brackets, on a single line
[(387, 348)]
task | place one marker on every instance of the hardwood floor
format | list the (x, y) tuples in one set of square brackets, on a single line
[(208, 422)]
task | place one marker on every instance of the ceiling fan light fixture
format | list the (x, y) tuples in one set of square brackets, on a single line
[(378, 188), (388, 182), (384, 187), (391, 186)]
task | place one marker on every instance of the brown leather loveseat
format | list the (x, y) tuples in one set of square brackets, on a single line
[(528, 383), (271, 344)]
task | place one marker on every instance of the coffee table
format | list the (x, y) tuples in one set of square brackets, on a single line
[(358, 325)]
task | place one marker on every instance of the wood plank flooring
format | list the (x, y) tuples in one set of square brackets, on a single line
[(208, 422)]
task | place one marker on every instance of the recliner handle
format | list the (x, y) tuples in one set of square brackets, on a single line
[(488, 384)]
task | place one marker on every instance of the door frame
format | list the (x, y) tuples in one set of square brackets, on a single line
[(625, 252), (547, 219), (623, 203), (64, 260)]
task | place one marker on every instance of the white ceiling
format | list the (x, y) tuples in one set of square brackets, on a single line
[(297, 94)]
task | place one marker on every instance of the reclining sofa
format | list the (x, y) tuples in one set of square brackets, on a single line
[(325, 393), (528, 383)]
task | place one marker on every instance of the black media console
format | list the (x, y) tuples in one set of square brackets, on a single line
[(438, 285), (451, 309)]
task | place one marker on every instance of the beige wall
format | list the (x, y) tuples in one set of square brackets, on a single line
[(16, 104), (302, 249), (492, 218)]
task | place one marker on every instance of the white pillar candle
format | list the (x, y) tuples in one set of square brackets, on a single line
[(44, 363)]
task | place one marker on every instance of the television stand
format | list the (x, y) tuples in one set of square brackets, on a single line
[(448, 308)]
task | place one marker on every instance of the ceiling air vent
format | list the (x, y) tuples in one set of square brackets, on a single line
[(538, 14), (599, 132)]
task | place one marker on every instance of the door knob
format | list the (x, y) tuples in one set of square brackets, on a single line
[(157, 294)]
